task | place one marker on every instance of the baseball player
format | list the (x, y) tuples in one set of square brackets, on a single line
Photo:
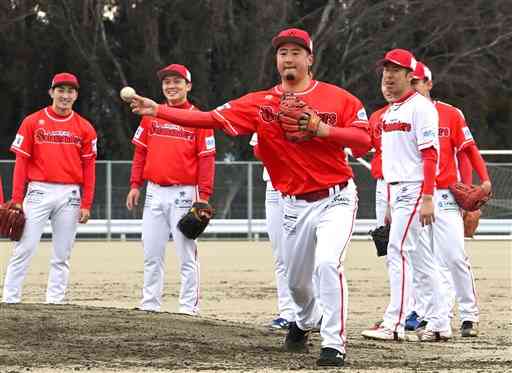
[(409, 155), (56, 155), (320, 198), (455, 140), (274, 219), (178, 163)]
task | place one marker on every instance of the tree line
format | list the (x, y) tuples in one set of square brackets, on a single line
[(226, 44)]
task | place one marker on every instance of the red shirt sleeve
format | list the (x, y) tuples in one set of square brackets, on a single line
[(139, 160), (477, 162), (465, 169), (429, 156), (23, 142), (20, 178), (206, 175), (239, 117), (89, 170)]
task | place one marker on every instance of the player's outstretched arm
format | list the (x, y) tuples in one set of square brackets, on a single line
[(188, 118)]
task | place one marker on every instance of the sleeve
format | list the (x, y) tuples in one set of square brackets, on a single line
[(477, 161), (90, 143), (138, 163), (23, 142), (89, 153), (354, 115), (140, 138), (206, 175), (205, 142), (465, 169), (20, 178), (89, 170), (239, 117), (426, 126), (462, 136)]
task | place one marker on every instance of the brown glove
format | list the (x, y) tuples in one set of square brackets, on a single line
[(298, 121), (471, 220), (12, 221), (469, 198)]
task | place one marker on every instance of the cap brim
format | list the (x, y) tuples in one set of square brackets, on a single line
[(162, 75), (383, 61), (71, 84), (280, 40)]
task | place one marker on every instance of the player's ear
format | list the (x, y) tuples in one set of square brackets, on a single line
[(50, 92)]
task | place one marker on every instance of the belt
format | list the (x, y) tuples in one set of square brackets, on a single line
[(320, 194), (394, 183)]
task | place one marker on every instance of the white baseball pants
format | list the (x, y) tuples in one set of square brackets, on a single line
[(274, 217), (316, 239), (404, 250), (457, 280), (381, 201), (163, 208), (61, 204)]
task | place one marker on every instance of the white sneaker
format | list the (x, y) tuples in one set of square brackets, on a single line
[(383, 334), (432, 336)]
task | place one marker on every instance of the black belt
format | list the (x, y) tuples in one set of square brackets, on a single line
[(394, 183), (319, 194)]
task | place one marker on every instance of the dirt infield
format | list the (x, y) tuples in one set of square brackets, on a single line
[(100, 332)]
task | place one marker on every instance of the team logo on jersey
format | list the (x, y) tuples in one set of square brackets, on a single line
[(41, 122), (138, 133), (227, 105), (269, 97), (267, 114), (42, 136), (361, 114), (467, 133), (18, 140), (444, 132), (171, 130), (210, 142), (396, 126), (428, 134), (94, 144)]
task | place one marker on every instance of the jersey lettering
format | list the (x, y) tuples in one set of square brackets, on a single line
[(396, 126)]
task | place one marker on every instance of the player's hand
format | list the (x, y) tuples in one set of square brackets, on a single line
[(427, 210), (486, 186), (143, 106), (132, 199), (85, 214), (205, 213)]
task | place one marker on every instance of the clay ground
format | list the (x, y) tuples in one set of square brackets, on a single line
[(99, 332)]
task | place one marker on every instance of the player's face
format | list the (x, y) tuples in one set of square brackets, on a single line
[(63, 97), (175, 89), (423, 87), (293, 62), (396, 80), (387, 96)]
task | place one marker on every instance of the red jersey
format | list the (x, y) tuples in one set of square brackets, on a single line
[(296, 168), (375, 134), (454, 135), (55, 146), (173, 151)]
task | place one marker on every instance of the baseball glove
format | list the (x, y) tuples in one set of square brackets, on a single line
[(298, 121), (380, 237), (12, 221), (471, 220), (194, 222), (469, 198)]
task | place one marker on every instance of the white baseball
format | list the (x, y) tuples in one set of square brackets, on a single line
[(127, 94)]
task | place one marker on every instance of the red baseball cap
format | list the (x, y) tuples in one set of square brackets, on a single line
[(175, 69), (65, 79), (400, 57), (295, 36), (422, 72)]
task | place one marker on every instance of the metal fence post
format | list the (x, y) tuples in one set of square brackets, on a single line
[(249, 200), (109, 199)]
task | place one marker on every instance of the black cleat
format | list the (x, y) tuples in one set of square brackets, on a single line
[(469, 329), (296, 339), (330, 357)]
